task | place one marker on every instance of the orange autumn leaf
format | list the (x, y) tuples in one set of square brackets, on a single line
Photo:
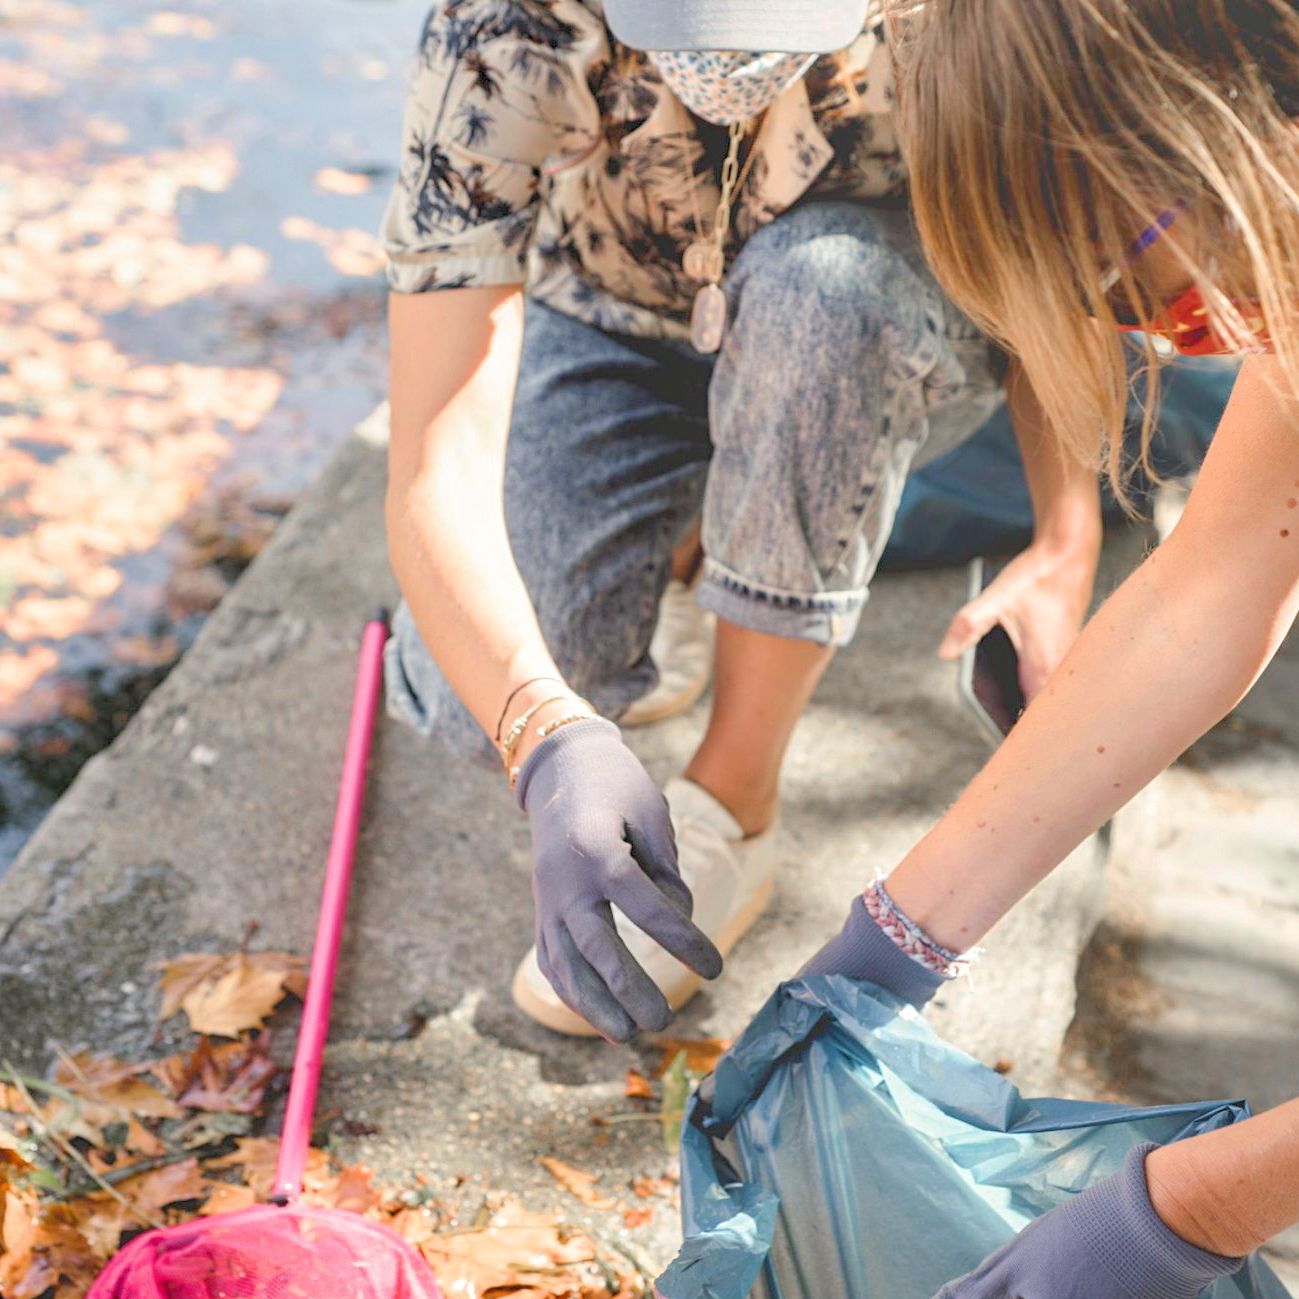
[(702, 1054), (41, 1250), (176, 1183), (256, 1158), (633, 1218), (227, 1198), (638, 1087), (225, 995), (522, 1254), (576, 1182), (648, 1188)]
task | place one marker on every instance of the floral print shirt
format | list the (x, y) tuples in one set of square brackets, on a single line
[(541, 151)]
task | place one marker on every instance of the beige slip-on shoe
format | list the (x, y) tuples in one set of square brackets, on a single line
[(731, 878)]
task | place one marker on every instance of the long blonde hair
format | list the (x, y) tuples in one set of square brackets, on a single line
[(1043, 135)]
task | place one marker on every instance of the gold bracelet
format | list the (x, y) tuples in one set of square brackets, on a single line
[(551, 727), (512, 772), (520, 724)]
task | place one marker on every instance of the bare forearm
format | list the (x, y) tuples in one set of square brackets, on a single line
[(454, 366), (1147, 676), (1230, 1191), (1065, 492), (1171, 652)]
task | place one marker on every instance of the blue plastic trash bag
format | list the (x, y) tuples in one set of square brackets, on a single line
[(847, 1152)]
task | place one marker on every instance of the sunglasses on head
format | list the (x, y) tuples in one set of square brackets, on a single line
[(1183, 322)]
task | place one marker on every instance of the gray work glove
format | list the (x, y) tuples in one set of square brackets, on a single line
[(1107, 1243), (601, 835), (862, 950)]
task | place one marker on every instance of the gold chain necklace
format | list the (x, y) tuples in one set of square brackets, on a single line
[(705, 259)]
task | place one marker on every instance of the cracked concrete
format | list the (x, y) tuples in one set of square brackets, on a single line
[(212, 813)]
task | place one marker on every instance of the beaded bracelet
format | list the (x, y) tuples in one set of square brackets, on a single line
[(912, 939)]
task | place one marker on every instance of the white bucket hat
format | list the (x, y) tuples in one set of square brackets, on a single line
[(788, 26)]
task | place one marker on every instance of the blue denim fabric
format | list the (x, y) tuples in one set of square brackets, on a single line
[(843, 366), (974, 500)]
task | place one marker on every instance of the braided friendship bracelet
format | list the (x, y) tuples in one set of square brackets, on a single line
[(913, 940)]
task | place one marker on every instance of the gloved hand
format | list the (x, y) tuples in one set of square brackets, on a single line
[(862, 950), (601, 834), (1107, 1243)]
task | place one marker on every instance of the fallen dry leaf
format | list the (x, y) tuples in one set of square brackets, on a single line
[(106, 1091), (41, 1250), (638, 1087), (648, 1188), (523, 1254), (151, 1192), (578, 1183), (226, 995), (229, 1078), (227, 1198), (702, 1054), (633, 1218)]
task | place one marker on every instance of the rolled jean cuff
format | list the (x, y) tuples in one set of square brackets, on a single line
[(823, 617)]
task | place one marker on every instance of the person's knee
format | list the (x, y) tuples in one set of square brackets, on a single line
[(824, 280)]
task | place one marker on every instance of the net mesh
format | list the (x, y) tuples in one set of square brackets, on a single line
[(298, 1252)]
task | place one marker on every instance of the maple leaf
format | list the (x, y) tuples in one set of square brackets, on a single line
[(149, 1193), (41, 1250), (578, 1183), (225, 995), (257, 1157), (230, 1078), (105, 1090)]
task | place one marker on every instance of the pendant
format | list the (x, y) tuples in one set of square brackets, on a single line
[(703, 261), (708, 319)]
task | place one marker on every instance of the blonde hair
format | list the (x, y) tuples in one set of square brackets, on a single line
[(1043, 136)]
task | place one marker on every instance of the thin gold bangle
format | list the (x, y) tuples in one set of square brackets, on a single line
[(551, 727), (520, 724)]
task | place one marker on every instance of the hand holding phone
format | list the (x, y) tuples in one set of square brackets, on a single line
[(989, 672)]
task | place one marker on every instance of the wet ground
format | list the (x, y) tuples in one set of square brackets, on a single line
[(190, 320)]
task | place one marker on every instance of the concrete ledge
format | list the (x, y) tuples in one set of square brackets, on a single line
[(213, 810)]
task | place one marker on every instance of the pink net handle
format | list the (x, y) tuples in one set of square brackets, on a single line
[(296, 1135)]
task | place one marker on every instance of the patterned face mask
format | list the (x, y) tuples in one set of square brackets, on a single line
[(725, 86)]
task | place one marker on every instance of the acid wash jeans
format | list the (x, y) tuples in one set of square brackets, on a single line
[(843, 367)]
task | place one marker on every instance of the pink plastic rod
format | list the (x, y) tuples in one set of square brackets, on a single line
[(295, 1139)]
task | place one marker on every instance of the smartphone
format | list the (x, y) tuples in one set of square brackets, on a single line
[(989, 672)]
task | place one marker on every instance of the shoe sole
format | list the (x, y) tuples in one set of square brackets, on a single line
[(642, 713), (560, 1019)]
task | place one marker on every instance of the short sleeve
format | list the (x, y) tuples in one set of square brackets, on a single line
[(500, 94)]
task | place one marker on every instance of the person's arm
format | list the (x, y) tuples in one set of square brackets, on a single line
[(1232, 1190), (454, 363), (601, 833), (1041, 597), (1169, 655)]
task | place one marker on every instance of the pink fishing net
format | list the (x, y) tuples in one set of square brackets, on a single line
[(297, 1252)]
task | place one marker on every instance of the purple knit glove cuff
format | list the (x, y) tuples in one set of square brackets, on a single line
[(1116, 1215), (862, 950)]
